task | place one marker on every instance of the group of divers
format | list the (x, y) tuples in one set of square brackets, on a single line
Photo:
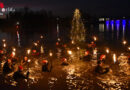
[(18, 74)]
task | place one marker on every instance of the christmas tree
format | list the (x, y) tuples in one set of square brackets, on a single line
[(77, 29)]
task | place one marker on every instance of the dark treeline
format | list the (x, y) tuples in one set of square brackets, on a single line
[(42, 22)]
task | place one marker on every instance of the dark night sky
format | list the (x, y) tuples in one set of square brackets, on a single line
[(66, 7)]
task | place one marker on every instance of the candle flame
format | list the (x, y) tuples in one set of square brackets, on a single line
[(69, 52), (107, 50), (51, 54), (114, 58), (28, 51), (124, 42)]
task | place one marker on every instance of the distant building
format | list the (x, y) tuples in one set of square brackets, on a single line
[(4, 11)]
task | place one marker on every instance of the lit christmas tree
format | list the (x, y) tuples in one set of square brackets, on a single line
[(77, 30)]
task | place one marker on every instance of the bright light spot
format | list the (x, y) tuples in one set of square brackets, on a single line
[(51, 54), (29, 60), (107, 50), (3, 40), (72, 42), (17, 23), (35, 44), (4, 45), (3, 9), (95, 38), (28, 51), (14, 49), (13, 53), (129, 48), (69, 52), (124, 42), (58, 39), (114, 58), (41, 36), (78, 48)]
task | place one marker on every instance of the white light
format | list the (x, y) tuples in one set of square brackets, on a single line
[(58, 39), (3, 40), (13, 53), (41, 36), (78, 48), (4, 45), (17, 23), (28, 51), (14, 49), (51, 54), (3, 9), (124, 42), (107, 50), (129, 48), (69, 52), (114, 58), (35, 44), (95, 38), (72, 42), (29, 60)]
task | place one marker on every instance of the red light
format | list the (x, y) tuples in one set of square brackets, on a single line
[(1, 5), (17, 26)]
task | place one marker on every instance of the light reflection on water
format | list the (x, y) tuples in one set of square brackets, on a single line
[(115, 29), (80, 75)]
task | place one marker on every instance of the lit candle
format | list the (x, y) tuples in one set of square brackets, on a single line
[(95, 51), (3, 40), (72, 42), (29, 60), (69, 52), (114, 58), (58, 39), (78, 48), (124, 42), (35, 44), (14, 49), (41, 37), (107, 50), (13, 53), (95, 38), (4, 45), (129, 48), (28, 51), (50, 54)]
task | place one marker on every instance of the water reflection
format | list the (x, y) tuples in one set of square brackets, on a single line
[(115, 29), (118, 28), (107, 25), (101, 27)]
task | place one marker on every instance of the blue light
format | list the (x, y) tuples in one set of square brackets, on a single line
[(117, 21), (107, 22), (112, 21), (124, 22), (129, 21)]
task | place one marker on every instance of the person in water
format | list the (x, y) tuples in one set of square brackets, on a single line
[(99, 69), (18, 75), (87, 56), (24, 61), (45, 66), (64, 61), (8, 67)]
